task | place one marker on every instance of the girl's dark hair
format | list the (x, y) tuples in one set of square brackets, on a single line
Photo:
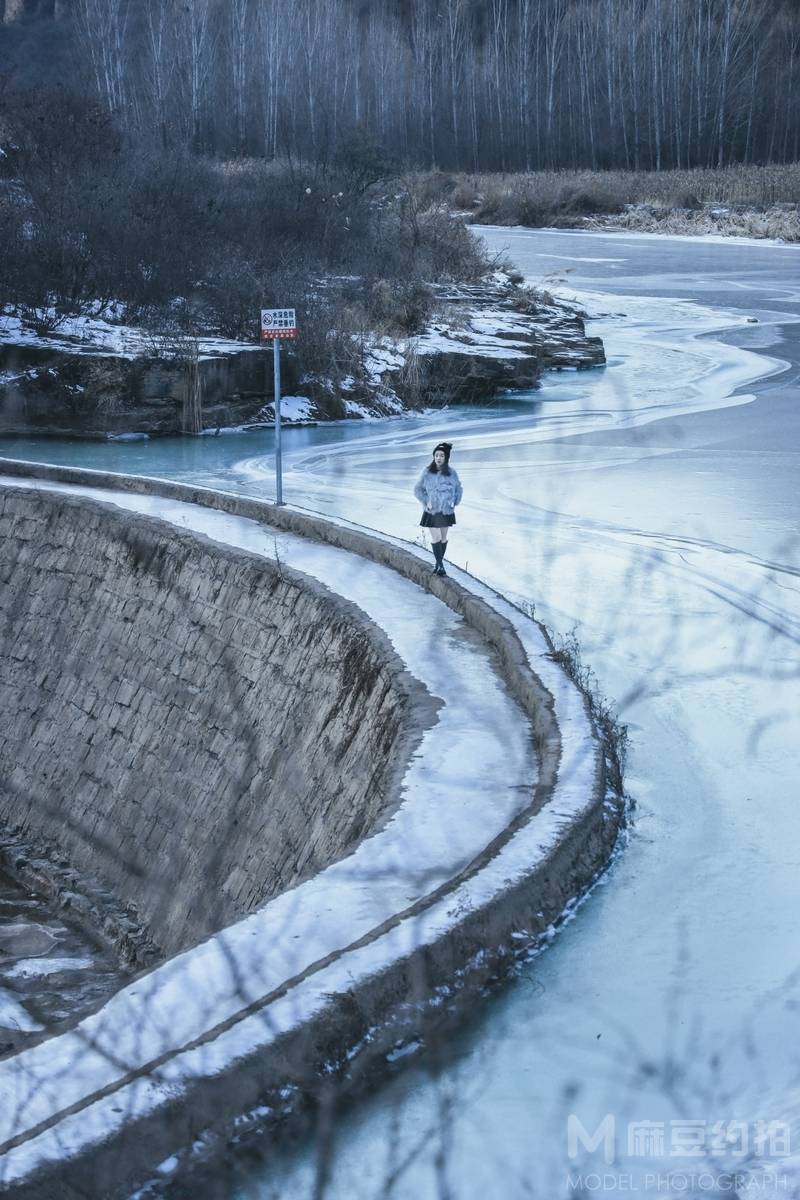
[(445, 447)]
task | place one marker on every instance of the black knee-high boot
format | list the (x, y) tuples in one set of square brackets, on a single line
[(442, 552), (437, 554)]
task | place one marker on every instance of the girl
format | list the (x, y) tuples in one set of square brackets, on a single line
[(439, 491)]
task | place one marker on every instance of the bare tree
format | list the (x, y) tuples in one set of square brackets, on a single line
[(197, 50), (463, 84), (159, 62), (103, 26)]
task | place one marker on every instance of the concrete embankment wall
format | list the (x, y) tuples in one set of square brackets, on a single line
[(336, 1019), (196, 728)]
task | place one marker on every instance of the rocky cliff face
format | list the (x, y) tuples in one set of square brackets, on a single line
[(71, 392), (495, 338)]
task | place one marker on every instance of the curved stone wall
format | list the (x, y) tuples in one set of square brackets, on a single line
[(198, 728), (321, 982)]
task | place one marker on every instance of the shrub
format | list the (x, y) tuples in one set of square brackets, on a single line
[(432, 187), (579, 201), (396, 307), (149, 228), (684, 199), (465, 195), (613, 732)]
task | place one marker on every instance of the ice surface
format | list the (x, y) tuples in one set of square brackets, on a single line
[(654, 506)]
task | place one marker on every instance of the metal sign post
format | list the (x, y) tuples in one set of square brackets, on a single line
[(277, 324), (276, 369)]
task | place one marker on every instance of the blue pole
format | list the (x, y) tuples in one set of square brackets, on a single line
[(276, 353)]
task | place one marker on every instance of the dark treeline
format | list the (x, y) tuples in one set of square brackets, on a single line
[(469, 84)]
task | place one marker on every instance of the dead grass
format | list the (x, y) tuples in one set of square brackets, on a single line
[(781, 222), (760, 201)]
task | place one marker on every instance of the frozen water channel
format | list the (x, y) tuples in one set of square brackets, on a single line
[(49, 970), (654, 506)]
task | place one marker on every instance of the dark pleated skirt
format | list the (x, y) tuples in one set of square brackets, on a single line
[(437, 520)]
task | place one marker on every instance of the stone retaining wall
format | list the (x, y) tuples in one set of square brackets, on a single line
[(194, 726), (336, 1021)]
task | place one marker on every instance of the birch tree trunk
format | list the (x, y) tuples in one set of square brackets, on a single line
[(239, 39)]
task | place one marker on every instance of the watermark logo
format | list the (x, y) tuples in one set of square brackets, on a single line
[(737, 1184), (681, 1138), (713, 1143), (579, 1138)]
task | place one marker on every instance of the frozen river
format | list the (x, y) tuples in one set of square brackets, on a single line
[(653, 506)]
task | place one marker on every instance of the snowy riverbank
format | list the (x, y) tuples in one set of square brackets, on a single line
[(96, 376), (780, 223)]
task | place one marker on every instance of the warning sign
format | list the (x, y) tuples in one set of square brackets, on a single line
[(278, 323)]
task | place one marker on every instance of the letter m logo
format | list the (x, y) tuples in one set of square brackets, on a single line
[(578, 1136)]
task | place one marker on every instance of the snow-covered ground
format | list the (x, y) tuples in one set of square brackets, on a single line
[(98, 335)]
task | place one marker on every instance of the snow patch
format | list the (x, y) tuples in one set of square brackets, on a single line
[(295, 410), (384, 356), (35, 968), (99, 335), (354, 409), (403, 1051)]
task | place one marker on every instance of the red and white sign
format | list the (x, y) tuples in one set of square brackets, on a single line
[(278, 323)]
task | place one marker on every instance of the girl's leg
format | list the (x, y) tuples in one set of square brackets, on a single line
[(439, 544), (443, 549), (436, 546)]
